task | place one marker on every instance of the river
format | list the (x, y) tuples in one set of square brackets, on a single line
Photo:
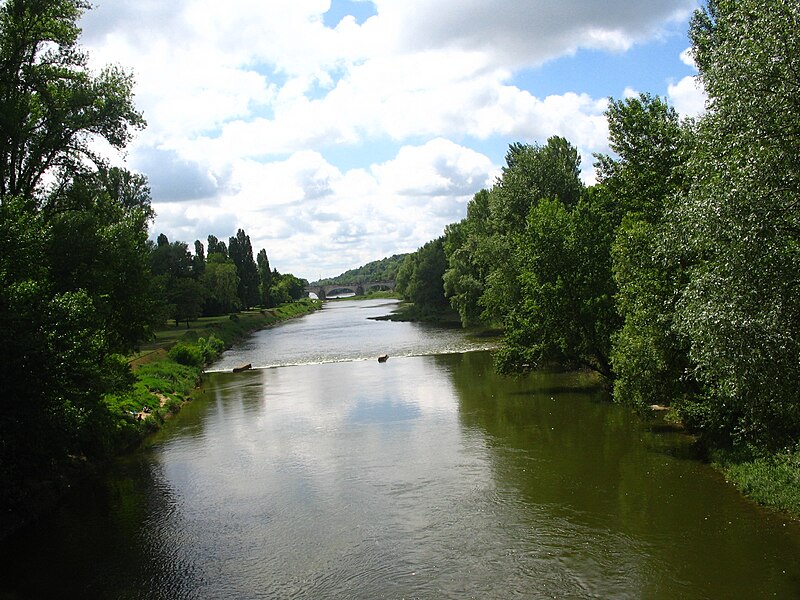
[(324, 474)]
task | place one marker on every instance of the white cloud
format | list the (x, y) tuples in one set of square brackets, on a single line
[(687, 58), (245, 101), (307, 213), (525, 32), (688, 97)]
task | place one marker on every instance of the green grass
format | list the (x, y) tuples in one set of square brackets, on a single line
[(229, 328), (772, 480), (407, 311), (158, 371)]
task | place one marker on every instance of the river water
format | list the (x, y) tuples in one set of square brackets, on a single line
[(325, 474)]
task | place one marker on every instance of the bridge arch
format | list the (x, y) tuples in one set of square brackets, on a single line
[(360, 288)]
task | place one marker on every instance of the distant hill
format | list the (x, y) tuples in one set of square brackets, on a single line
[(378, 270)]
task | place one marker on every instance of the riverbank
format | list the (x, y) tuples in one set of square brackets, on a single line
[(772, 481), (408, 312), (169, 369), (164, 375)]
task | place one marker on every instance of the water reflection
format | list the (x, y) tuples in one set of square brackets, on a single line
[(427, 477), (624, 517)]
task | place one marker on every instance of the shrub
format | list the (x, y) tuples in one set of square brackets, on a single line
[(190, 355)]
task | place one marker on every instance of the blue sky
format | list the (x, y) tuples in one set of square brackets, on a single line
[(336, 132)]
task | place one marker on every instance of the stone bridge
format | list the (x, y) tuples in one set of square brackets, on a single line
[(359, 289)]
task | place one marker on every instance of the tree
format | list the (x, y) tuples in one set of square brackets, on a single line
[(649, 360), (171, 259), (532, 173), (221, 283), (286, 287), (241, 253), (216, 247), (467, 266), (73, 279), (566, 314), (51, 105), (97, 242), (741, 308), (199, 260), (186, 296), (420, 277), (264, 278)]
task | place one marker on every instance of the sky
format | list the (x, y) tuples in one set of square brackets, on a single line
[(337, 132)]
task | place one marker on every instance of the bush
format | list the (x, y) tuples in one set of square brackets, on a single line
[(210, 348), (190, 355)]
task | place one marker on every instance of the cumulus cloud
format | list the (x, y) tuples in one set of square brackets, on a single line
[(171, 178), (526, 32), (246, 102), (688, 97)]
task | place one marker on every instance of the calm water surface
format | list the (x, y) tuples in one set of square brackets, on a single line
[(424, 477)]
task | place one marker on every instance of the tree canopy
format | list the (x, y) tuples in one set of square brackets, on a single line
[(74, 280)]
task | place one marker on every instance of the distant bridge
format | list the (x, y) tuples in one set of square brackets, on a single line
[(359, 289)]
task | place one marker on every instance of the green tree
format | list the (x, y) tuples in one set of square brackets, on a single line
[(286, 287), (264, 278), (216, 247), (420, 277), (171, 258), (97, 242), (566, 314), (221, 284), (467, 262), (649, 359), (186, 296), (74, 252), (532, 173), (241, 253), (740, 218), (199, 260), (51, 104)]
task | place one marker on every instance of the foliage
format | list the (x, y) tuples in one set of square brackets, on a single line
[(468, 265), (772, 480), (198, 354), (384, 269), (264, 279), (532, 173), (51, 105), (566, 314), (240, 252), (648, 358), (286, 287), (73, 282), (419, 278), (220, 282), (741, 309)]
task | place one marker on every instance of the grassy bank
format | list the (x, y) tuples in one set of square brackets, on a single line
[(228, 328), (167, 370), (772, 480), (164, 374), (408, 311)]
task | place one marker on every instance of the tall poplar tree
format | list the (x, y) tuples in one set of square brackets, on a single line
[(241, 253)]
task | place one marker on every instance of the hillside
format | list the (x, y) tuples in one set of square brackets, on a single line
[(377, 270)]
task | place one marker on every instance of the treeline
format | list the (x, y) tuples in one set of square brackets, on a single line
[(676, 276), (384, 269), (80, 285), (218, 278)]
